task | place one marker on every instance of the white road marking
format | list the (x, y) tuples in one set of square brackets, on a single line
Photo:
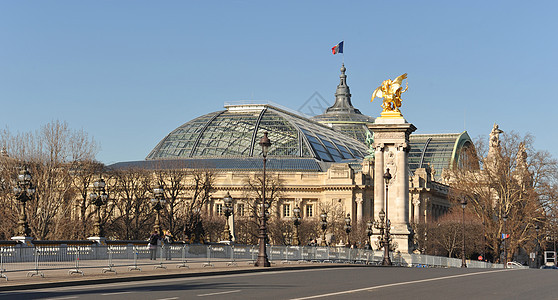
[(219, 293), (395, 284), (115, 293), (173, 298), (63, 298)]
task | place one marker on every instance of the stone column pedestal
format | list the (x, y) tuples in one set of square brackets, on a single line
[(391, 141)]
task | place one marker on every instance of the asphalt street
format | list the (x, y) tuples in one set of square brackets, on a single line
[(356, 282)]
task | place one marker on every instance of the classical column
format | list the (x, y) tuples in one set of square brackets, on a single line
[(400, 192), (416, 208), (378, 180), (359, 209), (427, 210)]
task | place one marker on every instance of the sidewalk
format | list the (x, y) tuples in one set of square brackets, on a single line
[(146, 270)]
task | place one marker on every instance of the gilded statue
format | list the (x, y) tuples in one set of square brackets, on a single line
[(391, 91)]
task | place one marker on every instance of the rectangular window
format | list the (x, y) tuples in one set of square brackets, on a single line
[(219, 209), (309, 210), (286, 210), (240, 210)]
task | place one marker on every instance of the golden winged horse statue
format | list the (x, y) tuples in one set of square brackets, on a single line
[(391, 91)]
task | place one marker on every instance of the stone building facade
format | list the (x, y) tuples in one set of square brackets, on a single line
[(332, 161)]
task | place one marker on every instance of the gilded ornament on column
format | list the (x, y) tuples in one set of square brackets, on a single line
[(391, 91)]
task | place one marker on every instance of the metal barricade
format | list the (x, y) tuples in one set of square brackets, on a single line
[(208, 262), (79, 257), (76, 270), (135, 266), (2, 275), (232, 262), (183, 257), (110, 268)]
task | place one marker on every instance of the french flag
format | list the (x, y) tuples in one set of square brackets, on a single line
[(338, 48)]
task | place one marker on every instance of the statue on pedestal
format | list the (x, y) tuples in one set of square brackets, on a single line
[(391, 91)]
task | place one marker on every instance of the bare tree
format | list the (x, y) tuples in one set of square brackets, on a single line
[(335, 221), (512, 185), (174, 183), (253, 188), (198, 191), (8, 203), (134, 213), (50, 154), (84, 174)]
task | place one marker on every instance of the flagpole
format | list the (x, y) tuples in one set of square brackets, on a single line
[(343, 54)]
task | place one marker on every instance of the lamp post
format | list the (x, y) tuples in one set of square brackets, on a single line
[(23, 191), (196, 234), (386, 261), (369, 231), (262, 261), (323, 224), (158, 201), (347, 228), (98, 198), (505, 218), (296, 222), (463, 205), (384, 237), (228, 211), (537, 246)]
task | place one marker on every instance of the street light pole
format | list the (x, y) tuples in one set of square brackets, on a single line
[(158, 201), (23, 191), (262, 261), (323, 223), (227, 210), (386, 261), (348, 228), (505, 218), (98, 198), (463, 205), (296, 221), (369, 232), (537, 246)]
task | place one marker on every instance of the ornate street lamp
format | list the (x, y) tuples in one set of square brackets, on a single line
[(158, 201), (228, 211), (463, 205), (323, 223), (347, 228), (384, 238), (196, 234), (369, 231), (98, 197), (386, 261), (505, 236), (296, 222), (262, 261), (23, 191)]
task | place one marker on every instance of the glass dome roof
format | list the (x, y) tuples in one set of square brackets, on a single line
[(235, 132), (439, 151)]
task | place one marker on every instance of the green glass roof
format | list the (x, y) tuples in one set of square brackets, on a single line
[(236, 131), (440, 151)]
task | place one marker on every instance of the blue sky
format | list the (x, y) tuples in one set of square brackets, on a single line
[(129, 72)]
